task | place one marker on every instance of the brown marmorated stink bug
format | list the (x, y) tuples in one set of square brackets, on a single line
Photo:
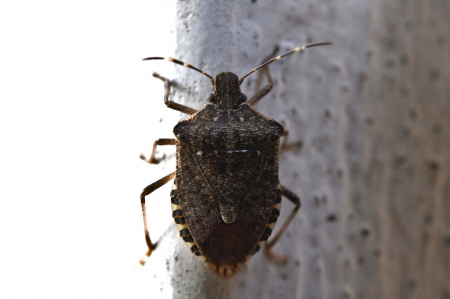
[(226, 194)]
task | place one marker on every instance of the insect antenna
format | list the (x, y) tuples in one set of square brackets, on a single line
[(183, 64), (285, 54)]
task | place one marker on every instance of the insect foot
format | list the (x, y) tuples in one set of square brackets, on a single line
[(226, 194)]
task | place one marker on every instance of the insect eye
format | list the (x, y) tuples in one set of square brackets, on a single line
[(212, 99), (243, 98)]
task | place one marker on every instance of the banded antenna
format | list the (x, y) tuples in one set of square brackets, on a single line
[(183, 64), (298, 49), (254, 70)]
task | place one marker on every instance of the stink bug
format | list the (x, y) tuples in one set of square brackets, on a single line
[(226, 194)]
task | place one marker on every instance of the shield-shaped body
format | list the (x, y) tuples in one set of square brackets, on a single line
[(226, 194)]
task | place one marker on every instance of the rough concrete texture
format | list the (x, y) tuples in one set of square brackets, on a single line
[(373, 114)]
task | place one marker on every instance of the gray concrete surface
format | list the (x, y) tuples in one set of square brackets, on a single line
[(372, 112)]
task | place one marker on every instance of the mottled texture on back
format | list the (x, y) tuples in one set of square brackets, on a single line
[(224, 169)]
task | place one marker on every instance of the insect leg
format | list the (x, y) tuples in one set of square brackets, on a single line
[(147, 190), (266, 89), (161, 141), (295, 200), (168, 102), (286, 146)]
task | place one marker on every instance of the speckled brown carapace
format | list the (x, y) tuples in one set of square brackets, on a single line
[(227, 178)]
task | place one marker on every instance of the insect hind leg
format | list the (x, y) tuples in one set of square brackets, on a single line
[(147, 190), (297, 202)]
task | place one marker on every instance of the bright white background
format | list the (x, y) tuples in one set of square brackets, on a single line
[(77, 107)]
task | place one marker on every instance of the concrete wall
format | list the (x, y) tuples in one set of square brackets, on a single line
[(372, 112)]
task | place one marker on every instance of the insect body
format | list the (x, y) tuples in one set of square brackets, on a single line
[(226, 194)]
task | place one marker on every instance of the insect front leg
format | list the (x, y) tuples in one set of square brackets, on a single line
[(263, 72), (168, 102), (161, 141), (147, 190), (297, 202)]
